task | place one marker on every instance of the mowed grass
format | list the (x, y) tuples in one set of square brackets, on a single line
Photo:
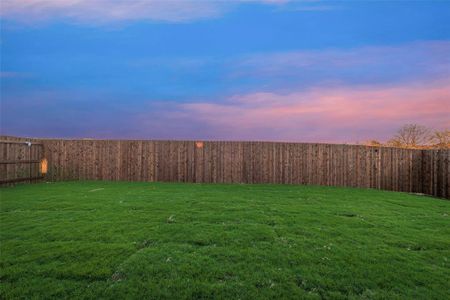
[(208, 241)]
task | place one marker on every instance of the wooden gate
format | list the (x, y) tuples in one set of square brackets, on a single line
[(20, 161)]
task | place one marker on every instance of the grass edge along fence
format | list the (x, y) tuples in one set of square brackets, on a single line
[(394, 169)]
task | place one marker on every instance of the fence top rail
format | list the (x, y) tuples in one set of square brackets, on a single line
[(41, 141), (21, 142), (222, 141)]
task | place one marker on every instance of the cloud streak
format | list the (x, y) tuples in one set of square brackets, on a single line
[(101, 11), (329, 114), (370, 64), (106, 11), (342, 114), (332, 95), (295, 70), (14, 75)]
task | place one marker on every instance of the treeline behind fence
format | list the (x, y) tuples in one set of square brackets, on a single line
[(417, 171)]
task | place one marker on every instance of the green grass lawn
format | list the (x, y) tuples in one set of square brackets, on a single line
[(161, 240)]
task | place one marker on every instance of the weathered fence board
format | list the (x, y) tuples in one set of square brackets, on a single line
[(418, 171)]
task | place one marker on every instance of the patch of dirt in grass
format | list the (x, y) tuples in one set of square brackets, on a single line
[(144, 244), (418, 194), (118, 276), (200, 243), (347, 214)]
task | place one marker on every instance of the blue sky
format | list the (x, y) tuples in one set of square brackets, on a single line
[(252, 70)]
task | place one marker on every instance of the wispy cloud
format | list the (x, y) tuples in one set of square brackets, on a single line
[(106, 11), (327, 114), (9, 75), (330, 95), (370, 64), (100, 11), (302, 69)]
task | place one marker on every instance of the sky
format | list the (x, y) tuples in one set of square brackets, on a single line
[(273, 70)]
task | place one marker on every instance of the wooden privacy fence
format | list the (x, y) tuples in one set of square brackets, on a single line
[(19, 161), (418, 171)]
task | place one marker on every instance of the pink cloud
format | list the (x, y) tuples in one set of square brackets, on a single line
[(341, 114), (327, 114)]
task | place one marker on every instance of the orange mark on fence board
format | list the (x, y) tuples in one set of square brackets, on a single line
[(198, 144), (44, 166)]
